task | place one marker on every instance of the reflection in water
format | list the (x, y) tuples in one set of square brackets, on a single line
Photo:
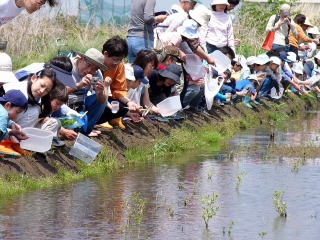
[(95, 208)]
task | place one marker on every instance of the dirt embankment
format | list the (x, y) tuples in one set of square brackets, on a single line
[(143, 134)]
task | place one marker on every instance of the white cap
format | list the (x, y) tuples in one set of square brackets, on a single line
[(215, 2), (284, 7), (292, 56), (251, 60), (275, 60), (129, 72), (6, 74), (298, 68), (262, 59), (313, 30), (317, 56)]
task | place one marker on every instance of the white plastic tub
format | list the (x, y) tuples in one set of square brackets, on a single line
[(38, 141), (85, 149), (169, 106), (221, 60)]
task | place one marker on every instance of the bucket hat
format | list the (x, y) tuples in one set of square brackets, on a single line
[(6, 74), (201, 14), (172, 71), (298, 68), (313, 30), (307, 22), (129, 72), (189, 29), (275, 60), (95, 57)]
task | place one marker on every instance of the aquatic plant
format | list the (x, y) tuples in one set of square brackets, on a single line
[(209, 208), (135, 205), (279, 204), (239, 178), (262, 234), (296, 164), (231, 224), (210, 173), (170, 211)]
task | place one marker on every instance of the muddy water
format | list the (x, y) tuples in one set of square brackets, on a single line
[(168, 206)]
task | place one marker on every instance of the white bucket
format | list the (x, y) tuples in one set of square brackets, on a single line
[(85, 149), (38, 141), (169, 106), (222, 62)]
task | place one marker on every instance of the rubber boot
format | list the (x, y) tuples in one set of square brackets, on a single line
[(246, 100), (118, 122)]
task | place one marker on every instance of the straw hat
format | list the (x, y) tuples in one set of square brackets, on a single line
[(201, 14), (307, 22), (216, 2)]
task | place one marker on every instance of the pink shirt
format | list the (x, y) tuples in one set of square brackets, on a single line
[(220, 30)]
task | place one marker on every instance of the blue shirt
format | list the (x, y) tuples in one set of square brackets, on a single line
[(286, 74), (241, 84), (4, 122)]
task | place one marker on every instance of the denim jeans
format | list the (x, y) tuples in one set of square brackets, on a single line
[(192, 96), (211, 48), (277, 46), (267, 85), (136, 44), (227, 89)]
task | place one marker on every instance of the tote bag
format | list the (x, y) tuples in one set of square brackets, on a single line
[(267, 44)]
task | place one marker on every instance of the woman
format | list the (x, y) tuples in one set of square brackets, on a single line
[(302, 23), (9, 9), (37, 90), (220, 30)]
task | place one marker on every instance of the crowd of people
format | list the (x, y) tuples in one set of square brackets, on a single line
[(188, 51)]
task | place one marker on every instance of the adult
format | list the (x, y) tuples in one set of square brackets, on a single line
[(9, 9), (220, 29), (183, 6), (302, 23), (233, 4), (140, 33), (281, 25)]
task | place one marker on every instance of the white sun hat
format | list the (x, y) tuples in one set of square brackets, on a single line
[(6, 74), (313, 30), (275, 60), (298, 68), (129, 72), (262, 59), (216, 2), (189, 29), (201, 14), (251, 60)]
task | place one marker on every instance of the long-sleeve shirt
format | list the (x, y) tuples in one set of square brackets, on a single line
[(275, 76), (299, 38), (142, 19), (279, 34), (220, 30), (286, 73), (8, 11), (118, 85)]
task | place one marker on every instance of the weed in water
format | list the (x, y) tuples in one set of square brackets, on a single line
[(135, 205), (210, 173), (262, 234), (296, 165), (209, 207), (279, 204), (170, 211), (239, 178), (231, 224), (180, 186)]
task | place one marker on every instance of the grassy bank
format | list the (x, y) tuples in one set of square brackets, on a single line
[(209, 136)]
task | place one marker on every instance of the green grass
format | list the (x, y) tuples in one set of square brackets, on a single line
[(187, 139)]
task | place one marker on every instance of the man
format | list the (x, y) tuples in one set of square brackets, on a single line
[(87, 76), (140, 33), (9, 9), (183, 6)]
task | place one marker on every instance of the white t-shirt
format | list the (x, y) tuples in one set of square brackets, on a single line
[(8, 11)]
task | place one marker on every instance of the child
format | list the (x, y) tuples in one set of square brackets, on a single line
[(12, 104)]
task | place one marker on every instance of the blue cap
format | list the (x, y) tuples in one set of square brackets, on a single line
[(283, 56), (16, 97), (139, 74)]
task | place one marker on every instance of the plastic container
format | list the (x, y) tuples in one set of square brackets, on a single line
[(274, 95), (38, 141), (194, 67), (85, 149), (221, 60), (169, 106)]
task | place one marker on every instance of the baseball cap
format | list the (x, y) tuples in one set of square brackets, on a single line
[(139, 74), (95, 57), (275, 60), (6, 74), (129, 72), (16, 97), (283, 56)]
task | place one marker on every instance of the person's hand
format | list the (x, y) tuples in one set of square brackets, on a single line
[(160, 18), (182, 56), (15, 126), (199, 82), (135, 116), (86, 81), (73, 113), (99, 87), (211, 61), (18, 134), (68, 134), (133, 106), (107, 81), (316, 41)]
